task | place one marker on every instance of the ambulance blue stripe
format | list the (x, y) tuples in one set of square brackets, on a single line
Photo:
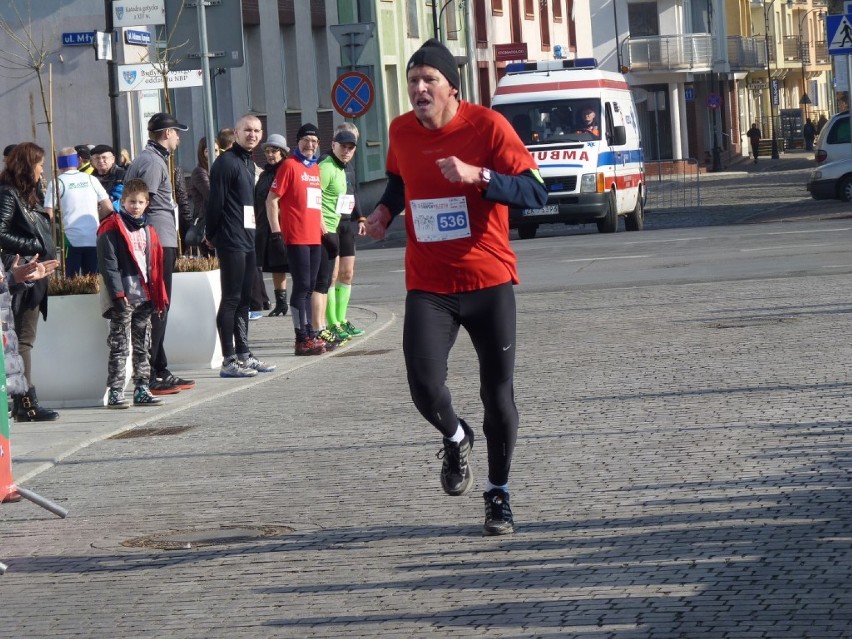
[(608, 158)]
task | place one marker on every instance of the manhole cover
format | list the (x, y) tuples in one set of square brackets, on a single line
[(377, 351), (199, 538), (757, 321), (152, 431)]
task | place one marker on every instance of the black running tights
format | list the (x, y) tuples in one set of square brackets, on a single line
[(431, 326)]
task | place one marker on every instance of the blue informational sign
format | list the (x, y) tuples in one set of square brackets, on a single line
[(78, 39), (137, 37), (689, 94), (352, 94), (838, 30)]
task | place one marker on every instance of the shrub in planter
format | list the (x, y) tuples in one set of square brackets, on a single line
[(77, 285), (196, 264)]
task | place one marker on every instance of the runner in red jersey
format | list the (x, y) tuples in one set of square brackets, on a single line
[(454, 167)]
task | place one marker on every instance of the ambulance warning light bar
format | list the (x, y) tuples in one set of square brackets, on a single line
[(551, 65)]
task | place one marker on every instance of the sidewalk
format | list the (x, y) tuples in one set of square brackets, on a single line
[(38, 446), (789, 161)]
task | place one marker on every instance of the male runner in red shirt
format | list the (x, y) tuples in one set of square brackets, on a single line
[(454, 167)]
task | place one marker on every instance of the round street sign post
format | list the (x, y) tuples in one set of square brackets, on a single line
[(352, 94), (714, 100)]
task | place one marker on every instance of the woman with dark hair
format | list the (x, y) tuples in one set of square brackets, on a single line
[(199, 193), (25, 232)]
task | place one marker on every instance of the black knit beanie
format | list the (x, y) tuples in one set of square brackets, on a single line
[(435, 54), (307, 129)]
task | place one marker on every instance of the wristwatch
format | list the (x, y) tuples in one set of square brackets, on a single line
[(484, 177)]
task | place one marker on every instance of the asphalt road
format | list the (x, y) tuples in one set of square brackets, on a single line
[(683, 467)]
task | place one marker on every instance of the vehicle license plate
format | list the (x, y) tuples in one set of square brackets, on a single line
[(550, 209)]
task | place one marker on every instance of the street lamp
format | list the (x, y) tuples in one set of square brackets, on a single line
[(805, 99), (772, 105), (437, 16)]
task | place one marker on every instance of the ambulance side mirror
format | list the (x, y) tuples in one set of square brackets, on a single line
[(619, 136)]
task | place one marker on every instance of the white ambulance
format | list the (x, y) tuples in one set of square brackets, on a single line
[(580, 126)]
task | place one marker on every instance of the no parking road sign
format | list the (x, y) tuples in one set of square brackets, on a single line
[(352, 94)]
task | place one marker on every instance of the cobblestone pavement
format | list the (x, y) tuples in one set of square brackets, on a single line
[(683, 471)]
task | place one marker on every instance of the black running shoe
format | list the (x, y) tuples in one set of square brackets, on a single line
[(456, 477), (498, 513)]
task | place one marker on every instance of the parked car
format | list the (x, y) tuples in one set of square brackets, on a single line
[(832, 181), (833, 142)]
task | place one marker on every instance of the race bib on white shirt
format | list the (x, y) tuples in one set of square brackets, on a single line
[(345, 204), (314, 198), (248, 217), (440, 219)]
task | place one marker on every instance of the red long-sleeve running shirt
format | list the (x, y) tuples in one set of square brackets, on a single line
[(457, 240)]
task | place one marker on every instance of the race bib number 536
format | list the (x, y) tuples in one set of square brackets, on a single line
[(440, 219)]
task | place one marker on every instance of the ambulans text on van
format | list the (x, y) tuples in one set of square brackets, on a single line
[(579, 124)]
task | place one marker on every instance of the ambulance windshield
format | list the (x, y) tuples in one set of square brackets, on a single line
[(554, 121)]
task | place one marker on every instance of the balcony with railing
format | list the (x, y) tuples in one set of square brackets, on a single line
[(689, 52), (792, 48), (745, 54), (797, 50)]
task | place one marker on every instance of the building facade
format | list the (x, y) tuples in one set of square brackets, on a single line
[(701, 70)]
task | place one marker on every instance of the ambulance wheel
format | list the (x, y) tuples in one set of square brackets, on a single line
[(609, 223), (635, 221), (527, 231)]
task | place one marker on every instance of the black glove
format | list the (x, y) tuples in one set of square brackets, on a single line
[(118, 305), (276, 246)]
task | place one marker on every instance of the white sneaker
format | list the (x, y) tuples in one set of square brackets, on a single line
[(255, 364), (235, 369)]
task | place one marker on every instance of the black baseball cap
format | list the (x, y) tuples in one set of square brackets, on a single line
[(345, 137), (163, 121)]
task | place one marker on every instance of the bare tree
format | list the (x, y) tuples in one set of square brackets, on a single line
[(28, 55)]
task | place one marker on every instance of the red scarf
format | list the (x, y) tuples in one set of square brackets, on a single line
[(154, 285)]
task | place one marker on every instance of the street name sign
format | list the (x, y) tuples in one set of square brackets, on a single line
[(142, 38), (78, 39)]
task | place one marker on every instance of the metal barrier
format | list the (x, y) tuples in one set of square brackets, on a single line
[(672, 184)]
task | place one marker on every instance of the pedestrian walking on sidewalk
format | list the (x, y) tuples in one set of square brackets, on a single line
[(754, 136), (230, 229), (454, 167), (130, 264), (809, 133)]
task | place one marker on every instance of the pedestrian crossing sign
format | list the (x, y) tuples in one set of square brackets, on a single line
[(839, 34)]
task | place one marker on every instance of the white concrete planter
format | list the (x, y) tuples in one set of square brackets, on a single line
[(70, 353), (192, 340)]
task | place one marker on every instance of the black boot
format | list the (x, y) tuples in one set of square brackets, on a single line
[(26, 408), (281, 306)]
